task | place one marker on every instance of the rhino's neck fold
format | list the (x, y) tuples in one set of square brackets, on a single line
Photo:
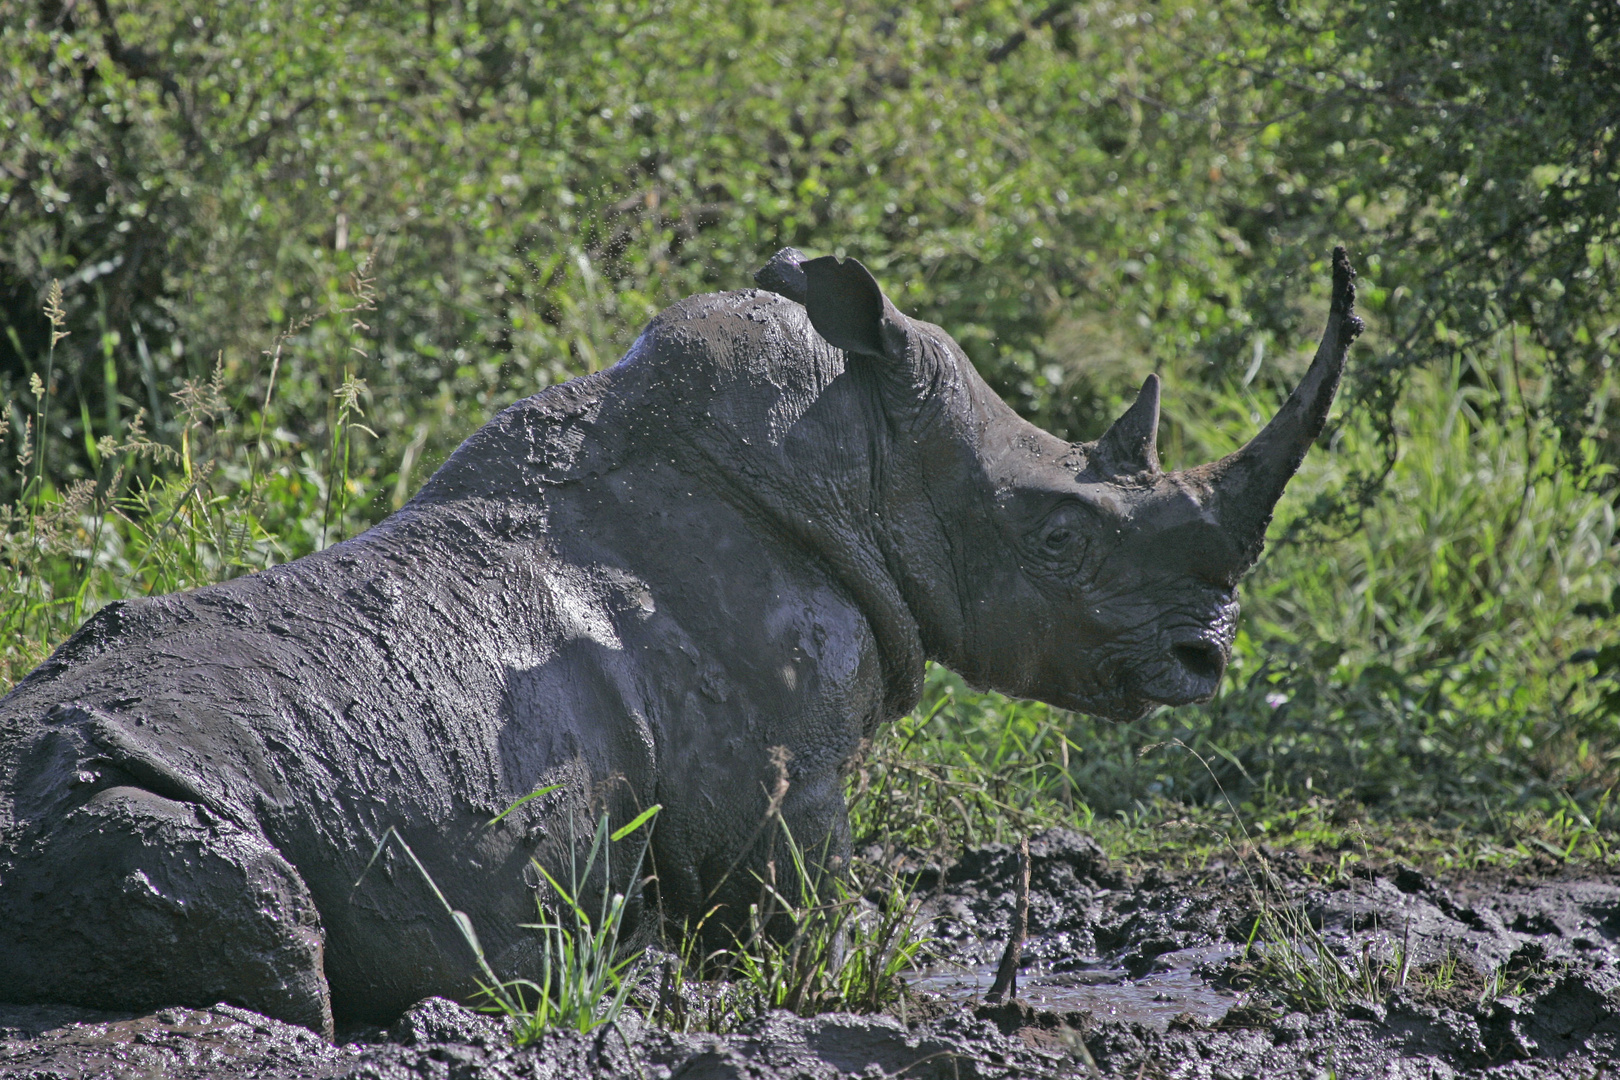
[(856, 564)]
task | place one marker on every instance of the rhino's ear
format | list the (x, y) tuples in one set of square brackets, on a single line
[(847, 308)]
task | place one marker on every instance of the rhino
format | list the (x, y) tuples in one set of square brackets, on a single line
[(699, 579)]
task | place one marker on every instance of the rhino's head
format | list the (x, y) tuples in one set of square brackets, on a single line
[(1079, 574)]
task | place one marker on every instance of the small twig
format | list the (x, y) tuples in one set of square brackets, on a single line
[(1007, 975), (1406, 953), (666, 992), (1018, 37)]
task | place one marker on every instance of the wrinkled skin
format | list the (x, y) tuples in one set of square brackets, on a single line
[(641, 586)]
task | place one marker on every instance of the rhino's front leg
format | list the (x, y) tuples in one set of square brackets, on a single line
[(750, 850), (133, 900), (815, 821), (816, 817)]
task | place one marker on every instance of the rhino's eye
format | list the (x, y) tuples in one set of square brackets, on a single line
[(1058, 544)]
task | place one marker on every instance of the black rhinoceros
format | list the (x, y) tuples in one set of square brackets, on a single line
[(749, 534)]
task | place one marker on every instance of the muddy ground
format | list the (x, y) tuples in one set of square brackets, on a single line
[(1124, 975)]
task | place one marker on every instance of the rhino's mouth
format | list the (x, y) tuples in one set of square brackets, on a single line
[(1113, 693), (1187, 672)]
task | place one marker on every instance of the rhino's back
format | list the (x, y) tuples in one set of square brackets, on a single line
[(296, 687)]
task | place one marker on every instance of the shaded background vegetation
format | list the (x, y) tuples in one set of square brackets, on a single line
[(306, 247)]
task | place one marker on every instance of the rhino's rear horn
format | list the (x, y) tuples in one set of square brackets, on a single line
[(1248, 483), (847, 307), (1131, 446)]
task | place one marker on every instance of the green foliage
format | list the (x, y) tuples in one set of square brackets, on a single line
[(1102, 182), (533, 180), (1418, 662), (226, 497), (1473, 152)]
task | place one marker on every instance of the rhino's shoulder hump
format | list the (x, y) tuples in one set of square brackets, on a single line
[(749, 329), (749, 349), (757, 305)]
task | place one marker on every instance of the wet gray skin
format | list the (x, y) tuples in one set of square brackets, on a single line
[(644, 586)]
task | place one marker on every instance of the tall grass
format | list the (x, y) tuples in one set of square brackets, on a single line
[(835, 943), (584, 981), (584, 974), (224, 492), (1420, 662), (1290, 963), (839, 953), (968, 768)]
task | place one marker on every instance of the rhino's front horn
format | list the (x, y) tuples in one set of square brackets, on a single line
[(1131, 446), (1248, 483)]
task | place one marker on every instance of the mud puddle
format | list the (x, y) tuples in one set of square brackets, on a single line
[(1091, 986), (1133, 977)]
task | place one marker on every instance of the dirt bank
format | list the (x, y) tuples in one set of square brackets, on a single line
[(1510, 976)]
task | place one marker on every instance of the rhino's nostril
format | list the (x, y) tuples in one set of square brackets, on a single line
[(1200, 658)]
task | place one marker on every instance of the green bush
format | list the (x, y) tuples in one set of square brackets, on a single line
[(534, 180)]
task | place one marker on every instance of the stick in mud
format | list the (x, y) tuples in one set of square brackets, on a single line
[(1007, 975)]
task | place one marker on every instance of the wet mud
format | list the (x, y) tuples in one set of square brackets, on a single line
[(1145, 975)]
